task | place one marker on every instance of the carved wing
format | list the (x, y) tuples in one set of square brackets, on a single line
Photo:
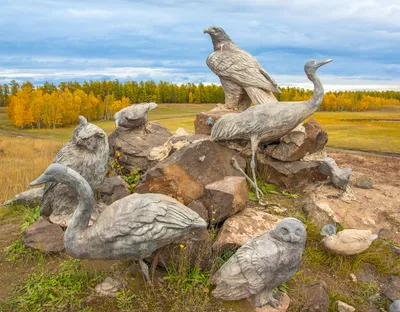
[(239, 66), (355, 236)]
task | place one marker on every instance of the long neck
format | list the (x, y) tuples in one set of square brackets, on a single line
[(217, 41), (313, 104)]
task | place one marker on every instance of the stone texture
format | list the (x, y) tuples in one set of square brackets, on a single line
[(30, 197), (284, 305), (225, 197), (199, 207), (44, 236), (391, 289), (243, 226), (135, 145), (185, 173), (316, 297), (344, 307), (294, 146), (112, 189), (290, 175), (363, 182), (205, 121), (108, 287), (340, 177), (318, 211)]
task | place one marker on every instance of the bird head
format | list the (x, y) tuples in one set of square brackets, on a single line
[(89, 136), (117, 117), (53, 173), (328, 230), (217, 34), (311, 66), (290, 230), (152, 105)]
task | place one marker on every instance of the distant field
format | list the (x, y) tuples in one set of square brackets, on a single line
[(369, 131)]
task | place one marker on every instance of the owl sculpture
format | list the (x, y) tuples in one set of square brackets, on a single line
[(133, 116), (87, 153), (262, 264)]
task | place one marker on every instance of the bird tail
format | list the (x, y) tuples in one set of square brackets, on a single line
[(259, 96), (373, 237)]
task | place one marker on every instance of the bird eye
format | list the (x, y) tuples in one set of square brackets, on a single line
[(298, 232), (284, 231)]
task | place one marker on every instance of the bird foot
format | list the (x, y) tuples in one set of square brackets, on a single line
[(267, 297)]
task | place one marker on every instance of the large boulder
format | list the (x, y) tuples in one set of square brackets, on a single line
[(112, 189), (292, 175), (30, 197), (225, 197), (44, 236), (306, 139), (132, 147), (184, 174), (238, 229)]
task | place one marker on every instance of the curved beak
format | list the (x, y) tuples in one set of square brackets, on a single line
[(206, 30), (41, 180), (320, 63)]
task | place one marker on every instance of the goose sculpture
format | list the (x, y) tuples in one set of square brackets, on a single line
[(130, 228), (395, 306), (270, 121), (347, 242), (133, 116)]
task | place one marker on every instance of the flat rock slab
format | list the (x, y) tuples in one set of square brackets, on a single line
[(44, 236), (205, 121), (243, 226), (284, 305), (112, 189), (225, 197), (316, 297), (184, 174), (135, 145)]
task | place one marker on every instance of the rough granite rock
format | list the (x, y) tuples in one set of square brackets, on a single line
[(318, 211), (225, 197), (391, 289), (297, 144), (44, 236), (238, 229), (316, 298), (135, 145), (108, 287), (290, 175), (284, 302), (30, 197), (205, 121), (184, 174), (112, 189), (344, 307)]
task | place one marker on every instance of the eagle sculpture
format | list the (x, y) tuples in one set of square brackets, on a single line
[(243, 79)]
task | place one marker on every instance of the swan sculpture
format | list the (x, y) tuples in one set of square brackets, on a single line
[(130, 228), (347, 242), (270, 121)]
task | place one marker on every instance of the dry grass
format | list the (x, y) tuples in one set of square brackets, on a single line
[(22, 160)]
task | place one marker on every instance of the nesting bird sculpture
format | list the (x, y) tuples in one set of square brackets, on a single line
[(262, 264), (130, 228), (347, 242), (243, 79), (87, 153), (133, 116), (269, 122), (395, 306)]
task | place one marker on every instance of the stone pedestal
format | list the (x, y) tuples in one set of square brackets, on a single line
[(205, 120)]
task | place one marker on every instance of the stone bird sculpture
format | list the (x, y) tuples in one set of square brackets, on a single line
[(262, 264), (87, 153), (243, 79), (133, 116), (269, 122), (395, 306), (340, 177), (346, 242), (130, 228)]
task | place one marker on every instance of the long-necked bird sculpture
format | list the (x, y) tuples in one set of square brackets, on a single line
[(130, 228), (87, 153), (271, 121), (262, 264), (133, 116), (242, 77)]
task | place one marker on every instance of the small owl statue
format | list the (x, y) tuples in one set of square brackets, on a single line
[(262, 264)]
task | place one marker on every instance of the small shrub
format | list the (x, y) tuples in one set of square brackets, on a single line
[(132, 178), (16, 252)]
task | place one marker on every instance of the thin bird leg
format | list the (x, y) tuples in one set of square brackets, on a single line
[(254, 147), (145, 270), (154, 264)]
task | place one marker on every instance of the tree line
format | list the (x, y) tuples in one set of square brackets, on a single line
[(54, 106)]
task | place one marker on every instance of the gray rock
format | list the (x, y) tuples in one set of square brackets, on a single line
[(225, 197), (30, 198), (316, 298), (391, 288), (183, 175), (135, 145), (44, 236), (108, 287), (318, 212), (340, 177), (395, 306), (344, 307), (112, 189), (363, 182), (294, 146)]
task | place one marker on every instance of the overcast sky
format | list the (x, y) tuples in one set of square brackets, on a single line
[(163, 40)]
